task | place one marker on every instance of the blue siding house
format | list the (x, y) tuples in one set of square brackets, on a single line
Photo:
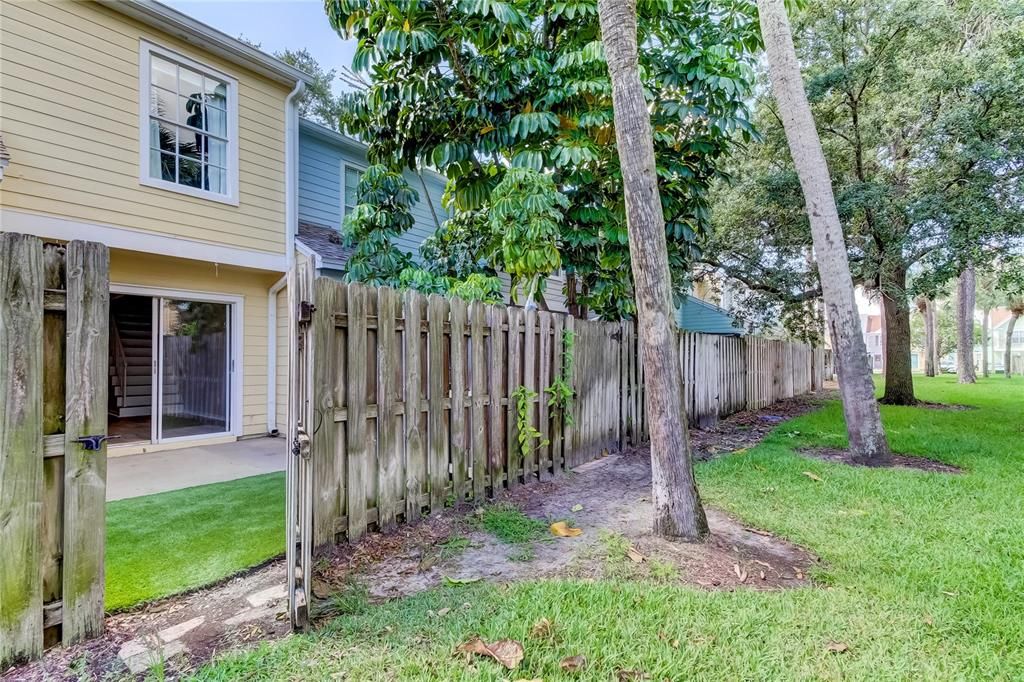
[(695, 315), (329, 168)]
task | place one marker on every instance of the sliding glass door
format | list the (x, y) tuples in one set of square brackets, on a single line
[(193, 368)]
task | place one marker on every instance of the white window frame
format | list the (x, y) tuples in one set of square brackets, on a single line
[(345, 165), (146, 51)]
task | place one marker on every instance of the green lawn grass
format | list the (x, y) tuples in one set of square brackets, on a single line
[(170, 542), (922, 576)]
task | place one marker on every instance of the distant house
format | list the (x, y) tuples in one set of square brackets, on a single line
[(1000, 320), (695, 315)]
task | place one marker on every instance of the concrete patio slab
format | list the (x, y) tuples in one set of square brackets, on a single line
[(157, 472)]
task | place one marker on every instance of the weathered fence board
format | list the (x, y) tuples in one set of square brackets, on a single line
[(54, 320), (421, 393)]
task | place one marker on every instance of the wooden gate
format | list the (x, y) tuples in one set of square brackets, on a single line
[(54, 317)]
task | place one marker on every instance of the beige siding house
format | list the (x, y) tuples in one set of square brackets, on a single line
[(131, 124)]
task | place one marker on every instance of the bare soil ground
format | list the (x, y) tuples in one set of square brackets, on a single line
[(894, 461), (611, 499)]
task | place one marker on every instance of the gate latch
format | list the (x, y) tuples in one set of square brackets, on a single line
[(93, 443), (306, 310), (300, 448)]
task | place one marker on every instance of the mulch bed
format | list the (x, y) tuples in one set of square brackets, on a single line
[(894, 462)]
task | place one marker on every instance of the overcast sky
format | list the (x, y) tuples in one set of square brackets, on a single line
[(275, 25)]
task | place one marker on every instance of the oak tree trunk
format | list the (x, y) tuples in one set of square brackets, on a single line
[(899, 376), (929, 338), (863, 420), (678, 513), (1008, 353), (965, 327)]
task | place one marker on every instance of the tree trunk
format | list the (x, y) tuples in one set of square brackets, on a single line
[(965, 327), (1008, 353), (934, 348), (984, 342), (863, 419), (678, 513), (929, 338), (899, 376)]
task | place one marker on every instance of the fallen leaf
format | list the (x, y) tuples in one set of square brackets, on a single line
[(674, 643), (813, 476), (573, 664), (561, 529), (577, 507), (949, 594), (631, 675), (542, 629), (763, 577), (444, 611), (448, 580), (634, 554), (740, 573), (758, 531), (837, 647), (507, 652)]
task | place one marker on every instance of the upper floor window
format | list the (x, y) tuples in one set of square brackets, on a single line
[(1017, 337), (350, 176), (189, 126)]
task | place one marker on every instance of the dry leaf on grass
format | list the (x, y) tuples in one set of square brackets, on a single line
[(573, 664), (507, 652), (634, 554), (561, 529), (448, 580), (837, 647), (631, 675), (542, 629), (741, 573), (813, 476)]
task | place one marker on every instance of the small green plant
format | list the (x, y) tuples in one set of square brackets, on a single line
[(351, 600), (524, 553), (616, 546), (662, 571), (507, 523), (527, 433), (560, 390), (453, 546)]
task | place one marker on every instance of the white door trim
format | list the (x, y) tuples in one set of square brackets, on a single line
[(235, 331)]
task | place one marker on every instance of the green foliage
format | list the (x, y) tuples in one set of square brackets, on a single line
[(475, 287), (526, 210), (561, 391), (318, 102), (481, 87), (382, 214), (505, 522), (526, 432)]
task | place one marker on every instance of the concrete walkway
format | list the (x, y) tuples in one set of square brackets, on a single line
[(157, 472)]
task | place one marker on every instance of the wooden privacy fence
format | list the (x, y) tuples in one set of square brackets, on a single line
[(54, 303), (420, 401)]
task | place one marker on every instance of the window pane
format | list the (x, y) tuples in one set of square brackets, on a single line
[(161, 165), (190, 173), (352, 176), (217, 121), (217, 152), (191, 112), (163, 74), (216, 179), (162, 103), (216, 93), (190, 143), (190, 83), (162, 136)]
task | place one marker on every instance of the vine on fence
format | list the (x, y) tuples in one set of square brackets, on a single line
[(527, 432), (561, 390)]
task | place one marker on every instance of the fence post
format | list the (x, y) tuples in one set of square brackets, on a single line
[(21, 447), (85, 471)]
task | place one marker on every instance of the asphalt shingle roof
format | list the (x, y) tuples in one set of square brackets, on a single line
[(326, 242)]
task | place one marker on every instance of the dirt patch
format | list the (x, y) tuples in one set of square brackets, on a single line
[(746, 429), (894, 461)]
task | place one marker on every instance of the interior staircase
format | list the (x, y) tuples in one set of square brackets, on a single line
[(131, 360)]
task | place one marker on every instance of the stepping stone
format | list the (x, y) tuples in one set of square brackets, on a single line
[(174, 632), (250, 614), (142, 661), (264, 597)]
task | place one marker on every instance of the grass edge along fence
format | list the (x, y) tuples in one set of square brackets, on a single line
[(422, 401)]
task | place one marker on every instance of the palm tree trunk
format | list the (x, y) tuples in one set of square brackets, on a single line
[(965, 327), (934, 350), (678, 513), (929, 338), (1008, 353), (863, 420), (984, 342)]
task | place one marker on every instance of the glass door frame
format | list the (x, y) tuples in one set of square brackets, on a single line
[(234, 364)]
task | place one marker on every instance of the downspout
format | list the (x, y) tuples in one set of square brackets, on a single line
[(291, 221)]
